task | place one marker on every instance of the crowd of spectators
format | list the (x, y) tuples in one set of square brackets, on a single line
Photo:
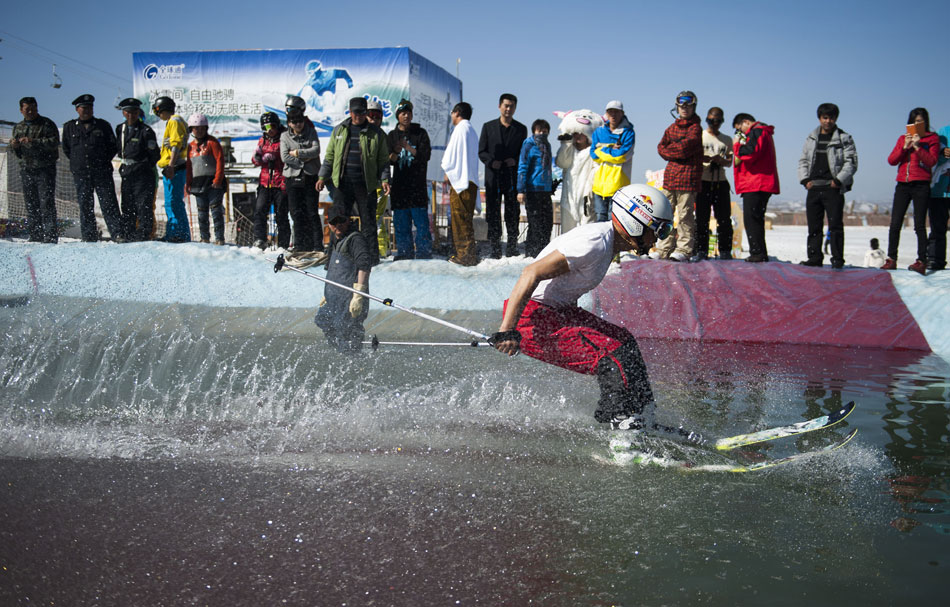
[(369, 173)]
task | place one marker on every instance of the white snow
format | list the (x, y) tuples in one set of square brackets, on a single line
[(231, 276)]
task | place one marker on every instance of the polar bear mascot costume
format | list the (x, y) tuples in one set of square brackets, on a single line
[(573, 156)]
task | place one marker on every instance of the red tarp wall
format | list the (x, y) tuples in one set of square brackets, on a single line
[(762, 302)]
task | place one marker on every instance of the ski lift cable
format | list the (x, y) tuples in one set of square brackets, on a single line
[(50, 60), (62, 56)]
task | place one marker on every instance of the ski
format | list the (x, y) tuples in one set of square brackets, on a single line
[(825, 421), (769, 463), (621, 453)]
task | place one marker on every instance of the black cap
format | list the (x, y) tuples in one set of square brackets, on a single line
[(357, 103), (335, 213), (86, 99), (404, 106), (130, 103)]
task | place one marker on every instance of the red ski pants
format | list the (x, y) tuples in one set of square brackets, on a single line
[(571, 337)]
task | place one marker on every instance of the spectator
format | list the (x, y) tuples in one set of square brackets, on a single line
[(409, 153), (357, 162), (89, 143), (341, 313), (578, 167), (914, 155), (172, 163), (756, 178), (682, 147), (271, 185), (498, 147), (714, 189), (138, 151), (612, 150), (374, 115), (35, 142), (534, 187), (300, 153), (205, 178), (826, 169), (875, 257), (940, 205), (460, 163)]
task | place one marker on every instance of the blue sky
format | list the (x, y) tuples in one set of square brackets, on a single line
[(776, 60)]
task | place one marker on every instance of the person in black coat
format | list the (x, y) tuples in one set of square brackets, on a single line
[(139, 153), (499, 147), (89, 143), (409, 153)]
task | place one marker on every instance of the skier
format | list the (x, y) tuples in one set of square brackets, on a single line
[(542, 319)]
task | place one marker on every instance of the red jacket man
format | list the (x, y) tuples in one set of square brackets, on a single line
[(756, 178)]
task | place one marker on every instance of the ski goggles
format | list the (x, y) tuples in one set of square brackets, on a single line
[(685, 100), (663, 230)]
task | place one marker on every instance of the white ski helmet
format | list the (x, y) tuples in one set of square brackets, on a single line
[(638, 206), (197, 120)]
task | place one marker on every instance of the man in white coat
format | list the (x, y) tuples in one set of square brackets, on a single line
[(460, 163), (576, 130)]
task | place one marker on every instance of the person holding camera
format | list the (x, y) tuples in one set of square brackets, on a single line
[(756, 177), (914, 155), (714, 189), (409, 153)]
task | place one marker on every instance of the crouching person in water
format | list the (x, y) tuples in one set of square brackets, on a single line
[(342, 312), (542, 319)]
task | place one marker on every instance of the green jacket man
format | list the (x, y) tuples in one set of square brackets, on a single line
[(356, 165)]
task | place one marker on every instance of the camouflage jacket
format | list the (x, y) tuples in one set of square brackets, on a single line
[(44, 147)]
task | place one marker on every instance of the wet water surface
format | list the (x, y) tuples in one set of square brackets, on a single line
[(172, 455)]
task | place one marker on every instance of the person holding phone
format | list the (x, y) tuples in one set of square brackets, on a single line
[(914, 155)]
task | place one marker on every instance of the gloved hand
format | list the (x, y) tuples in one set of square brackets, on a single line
[(268, 158), (358, 303), (323, 302)]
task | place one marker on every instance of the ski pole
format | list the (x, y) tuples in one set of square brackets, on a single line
[(467, 344), (279, 264)]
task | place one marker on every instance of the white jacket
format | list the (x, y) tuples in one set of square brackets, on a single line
[(576, 185), (460, 161)]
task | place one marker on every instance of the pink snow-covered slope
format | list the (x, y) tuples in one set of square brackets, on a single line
[(763, 302)]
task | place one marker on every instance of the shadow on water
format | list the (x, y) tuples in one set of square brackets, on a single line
[(154, 454)]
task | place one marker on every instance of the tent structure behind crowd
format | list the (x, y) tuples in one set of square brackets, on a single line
[(233, 89)]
